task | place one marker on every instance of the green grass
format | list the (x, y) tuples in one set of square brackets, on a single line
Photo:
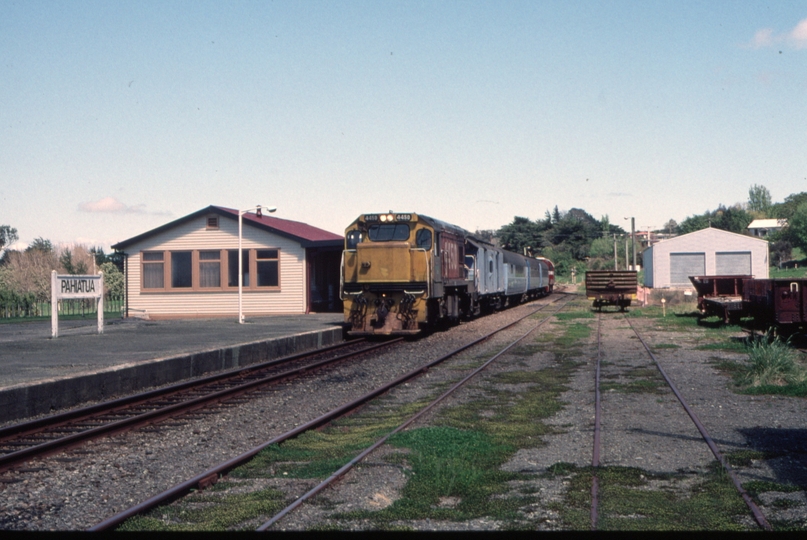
[(630, 502), (204, 512), (636, 380), (800, 272), (570, 315), (755, 487), (773, 367), (772, 362), (660, 346)]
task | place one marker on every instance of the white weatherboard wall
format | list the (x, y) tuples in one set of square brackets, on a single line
[(712, 244), (193, 235)]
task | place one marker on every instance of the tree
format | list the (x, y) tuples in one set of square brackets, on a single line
[(28, 272), (797, 227), (40, 244), (732, 219), (113, 279), (759, 200), (8, 235), (485, 234), (781, 251), (520, 234), (75, 265), (786, 209), (671, 227)]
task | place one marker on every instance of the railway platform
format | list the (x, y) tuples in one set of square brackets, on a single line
[(40, 375)]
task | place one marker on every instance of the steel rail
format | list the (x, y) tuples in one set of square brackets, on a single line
[(61, 418), (56, 445), (345, 468), (758, 515), (211, 475), (595, 457)]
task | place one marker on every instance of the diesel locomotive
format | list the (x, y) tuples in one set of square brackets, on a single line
[(403, 272)]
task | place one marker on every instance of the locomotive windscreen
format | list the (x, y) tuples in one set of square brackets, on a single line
[(388, 232)]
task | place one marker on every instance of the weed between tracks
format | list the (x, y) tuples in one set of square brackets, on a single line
[(453, 467), (632, 499)]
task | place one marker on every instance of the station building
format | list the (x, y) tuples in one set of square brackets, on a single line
[(708, 252), (189, 267)]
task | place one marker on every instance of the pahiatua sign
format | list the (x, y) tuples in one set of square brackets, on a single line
[(74, 287)]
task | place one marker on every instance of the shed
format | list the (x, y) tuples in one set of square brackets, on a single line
[(708, 252), (763, 227), (189, 267)]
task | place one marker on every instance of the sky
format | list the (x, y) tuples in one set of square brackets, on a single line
[(118, 117)]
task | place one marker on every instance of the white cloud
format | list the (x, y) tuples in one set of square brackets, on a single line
[(111, 205), (795, 38), (798, 36), (763, 38)]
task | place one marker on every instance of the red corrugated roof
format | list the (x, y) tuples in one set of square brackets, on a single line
[(293, 228), (306, 235)]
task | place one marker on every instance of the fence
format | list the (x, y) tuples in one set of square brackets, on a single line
[(24, 308)]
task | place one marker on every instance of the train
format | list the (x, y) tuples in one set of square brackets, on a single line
[(403, 273), (778, 302)]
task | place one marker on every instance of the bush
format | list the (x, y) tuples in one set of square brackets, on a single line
[(772, 362)]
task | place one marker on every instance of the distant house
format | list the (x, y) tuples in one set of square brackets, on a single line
[(763, 227), (669, 263), (189, 267)]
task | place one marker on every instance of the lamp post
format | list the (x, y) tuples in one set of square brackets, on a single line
[(241, 213), (633, 240)]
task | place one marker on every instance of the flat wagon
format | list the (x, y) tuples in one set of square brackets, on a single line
[(611, 287), (721, 296)]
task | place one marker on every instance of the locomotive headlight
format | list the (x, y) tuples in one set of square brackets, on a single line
[(383, 218)]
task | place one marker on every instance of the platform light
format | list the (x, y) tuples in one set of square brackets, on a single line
[(241, 213)]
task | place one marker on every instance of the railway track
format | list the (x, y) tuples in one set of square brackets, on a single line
[(211, 476), (22, 442), (759, 517)]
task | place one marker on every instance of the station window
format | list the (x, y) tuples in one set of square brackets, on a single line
[(153, 270), (181, 269), (209, 269), (205, 270), (232, 268), (267, 266)]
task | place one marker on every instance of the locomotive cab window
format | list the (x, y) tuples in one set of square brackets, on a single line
[(353, 239), (423, 239), (388, 232)]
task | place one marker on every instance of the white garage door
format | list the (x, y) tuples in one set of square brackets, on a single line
[(734, 263), (683, 265)]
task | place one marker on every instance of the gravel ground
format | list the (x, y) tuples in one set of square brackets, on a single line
[(78, 489), (646, 430)]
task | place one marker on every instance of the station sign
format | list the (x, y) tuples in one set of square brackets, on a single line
[(68, 287)]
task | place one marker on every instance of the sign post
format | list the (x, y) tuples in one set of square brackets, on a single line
[(75, 287)]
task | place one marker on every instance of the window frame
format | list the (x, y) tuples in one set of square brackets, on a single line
[(196, 270)]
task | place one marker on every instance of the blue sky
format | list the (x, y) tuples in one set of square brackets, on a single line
[(117, 117)]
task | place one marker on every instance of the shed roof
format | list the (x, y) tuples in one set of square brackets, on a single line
[(306, 235), (709, 232), (767, 224)]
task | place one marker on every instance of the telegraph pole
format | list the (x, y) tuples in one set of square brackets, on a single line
[(633, 239)]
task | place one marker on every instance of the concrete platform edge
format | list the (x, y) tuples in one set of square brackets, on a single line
[(53, 395)]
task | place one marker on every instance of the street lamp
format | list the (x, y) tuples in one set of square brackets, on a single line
[(241, 213), (633, 240)]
